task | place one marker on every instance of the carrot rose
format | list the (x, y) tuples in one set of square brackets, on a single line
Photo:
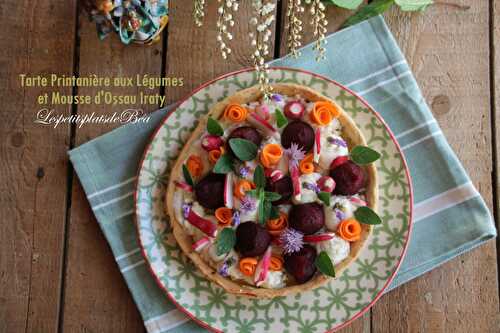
[(323, 113), (224, 215), (236, 113), (248, 266), (242, 187), (271, 154), (276, 263), (350, 230), (306, 166), (215, 154), (194, 165), (276, 226)]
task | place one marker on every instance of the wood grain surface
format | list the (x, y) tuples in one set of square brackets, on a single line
[(57, 272)]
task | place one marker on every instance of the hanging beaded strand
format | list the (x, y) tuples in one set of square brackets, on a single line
[(225, 21), (262, 20), (294, 26), (319, 23), (199, 12)]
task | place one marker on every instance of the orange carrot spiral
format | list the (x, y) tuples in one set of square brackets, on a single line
[(306, 166), (323, 113), (276, 226), (350, 230), (224, 215), (271, 154), (248, 266), (236, 113), (276, 263), (194, 165)]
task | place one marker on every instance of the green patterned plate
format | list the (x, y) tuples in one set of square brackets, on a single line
[(329, 307)]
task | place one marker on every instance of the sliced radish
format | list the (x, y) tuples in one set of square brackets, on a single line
[(294, 173), (258, 120), (357, 201), (263, 111), (201, 244), (228, 190), (318, 237), (294, 110), (207, 226), (211, 142), (317, 145), (183, 186), (326, 184), (274, 175), (338, 161), (262, 268)]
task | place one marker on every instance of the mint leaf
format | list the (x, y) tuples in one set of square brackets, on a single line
[(413, 5), (324, 264), (245, 150), (280, 119), (214, 128), (254, 193), (349, 4), (362, 155), (262, 209), (372, 9), (258, 177), (325, 197), (187, 175), (272, 196), (226, 239), (224, 164), (366, 215)]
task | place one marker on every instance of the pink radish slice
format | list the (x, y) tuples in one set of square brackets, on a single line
[(262, 268), (318, 238), (207, 226), (261, 121), (200, 244), (228, 190), (183, 186), (326, 184), (263, 111), (294, 110), (274, 175), (211, 142), (317, 145), (357, 201), (338, 161), (294, 173)]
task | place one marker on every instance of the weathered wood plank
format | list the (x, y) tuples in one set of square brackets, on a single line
[(37, 38), (448, 50), (194, 53), (335, 16), (495, 48), (96, 296)]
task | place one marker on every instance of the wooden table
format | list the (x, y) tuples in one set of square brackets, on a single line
[(56, 270)]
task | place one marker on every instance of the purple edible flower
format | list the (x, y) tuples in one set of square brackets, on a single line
[(277, 98), (186, 208), (311, 186), (224, 269), (236, 218), (295, 154), (291, 240), (337, 141), (244, 171), (339, 214), (247, 204)]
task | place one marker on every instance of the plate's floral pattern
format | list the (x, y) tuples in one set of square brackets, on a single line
[(316, 311)]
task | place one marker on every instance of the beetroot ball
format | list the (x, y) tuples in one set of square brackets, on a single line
[(301, 264), (252, 239), (307, 218), (300, 133), (247, 133), (284, 187), (210, 191), (349, 178)]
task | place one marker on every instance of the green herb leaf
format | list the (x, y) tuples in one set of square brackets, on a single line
[(245, 150), (324, 264), (258, 177), (262, 208), (275, 213), (187, 175), (254, 193), (366, 215), (325, 197), (372, 9), (413, 5), (363, 155), (226, 239), (214, 128), (349, 4), (272, 196), (224, 164), (280, 119)]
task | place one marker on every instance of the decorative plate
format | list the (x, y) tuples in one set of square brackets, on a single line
[(326, 308)]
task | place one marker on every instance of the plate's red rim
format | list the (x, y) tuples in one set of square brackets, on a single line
[(365, 103)]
